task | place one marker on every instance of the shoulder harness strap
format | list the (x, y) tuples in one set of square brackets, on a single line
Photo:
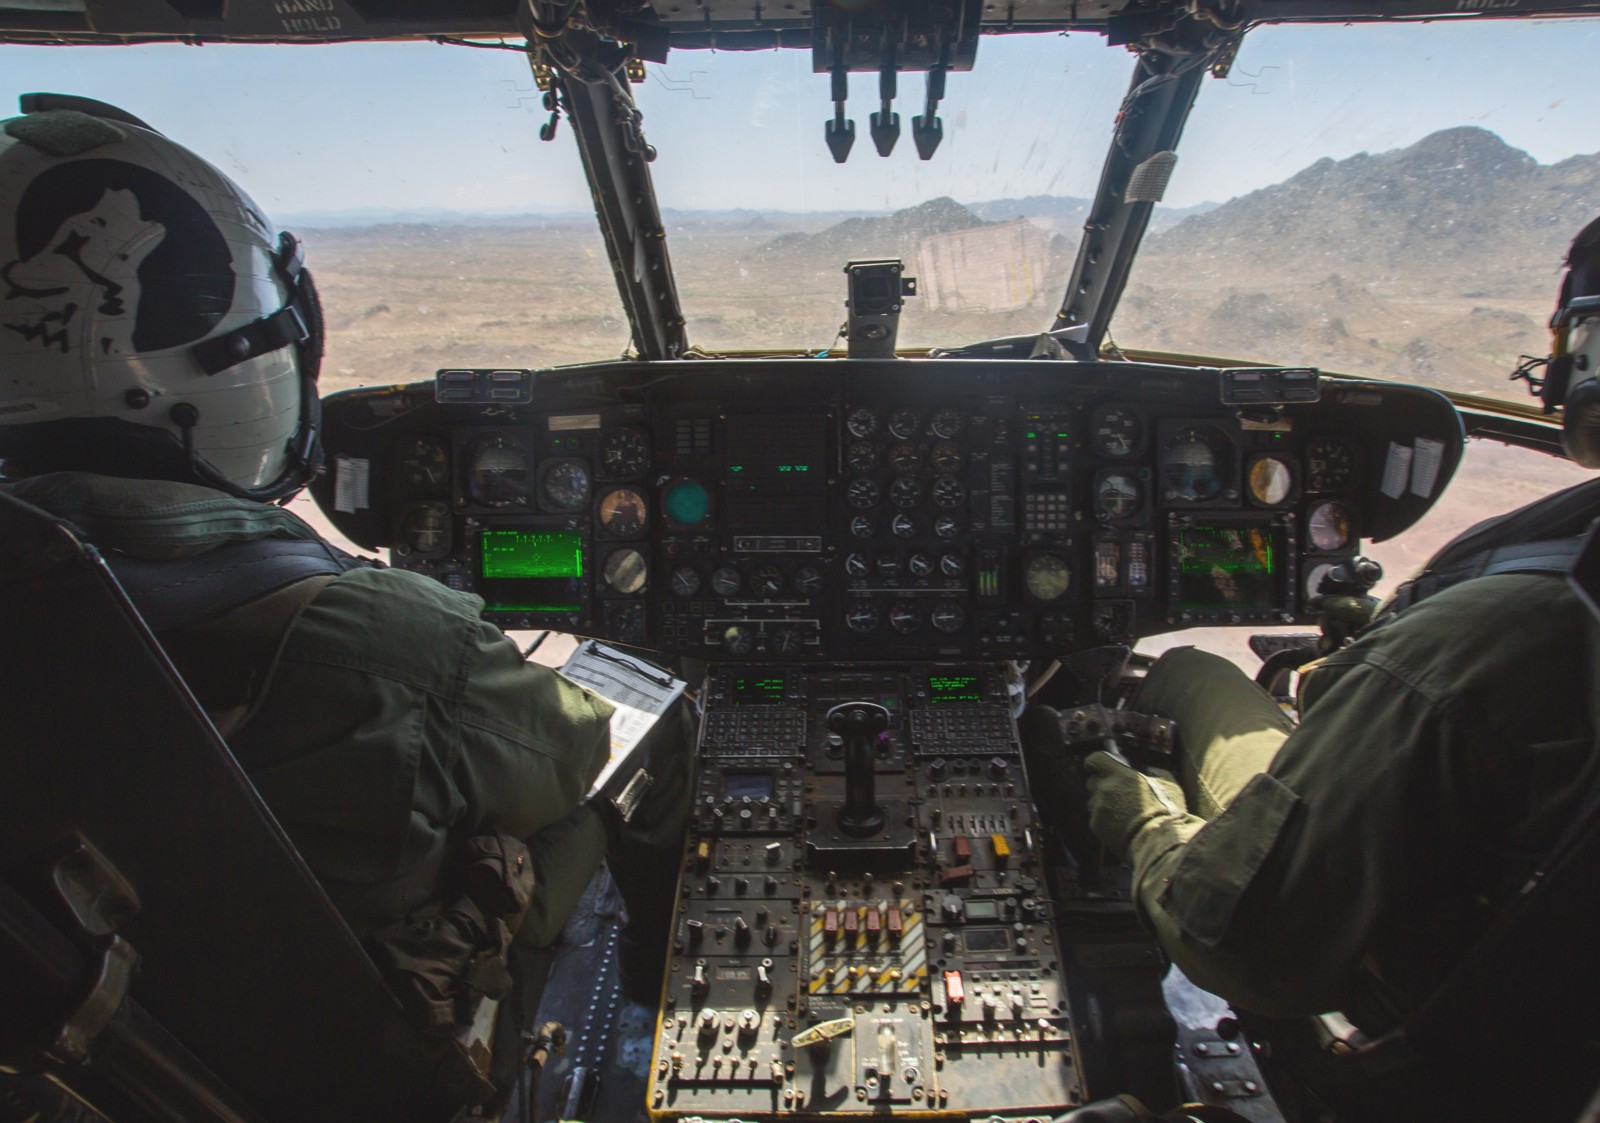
[(175, 593)]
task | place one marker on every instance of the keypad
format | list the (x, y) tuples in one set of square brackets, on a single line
[(754, 731)]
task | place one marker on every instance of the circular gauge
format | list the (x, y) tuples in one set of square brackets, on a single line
[(1314, 578), (766, 581), (623, 512), (948, 422), (425, 468), (1046, 577), (1270, 480), (786, 641), (862, 527), (1195, 464), (888, 565), (1330, 464), (1330, 527), (625, 622), (948, 493), (905, 459), (903, 526), (863, 494), (498, 476), (948, 616), (857, 565), (624, 453), (945, 458), (625, 571), (947, 526), (564, 485), (862, 616), (687, 503), (904, 617), (905, 494), (1116, 496), (862, 457), (951, 565), (808, 579), (1114, 432), (862, 421), (685, 581), (725, 581), (738, 640), (919, 565), (905, 423), (426, 528)]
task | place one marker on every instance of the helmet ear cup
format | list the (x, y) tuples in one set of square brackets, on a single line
[(1580, 423)]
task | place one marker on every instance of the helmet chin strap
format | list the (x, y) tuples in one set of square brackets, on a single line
[(297, 323)]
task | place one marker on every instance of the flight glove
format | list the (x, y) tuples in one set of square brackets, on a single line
[(1138, 816)]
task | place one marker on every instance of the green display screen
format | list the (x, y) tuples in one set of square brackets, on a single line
[(531, 570), (1227, 567), (954, 688), (531, 553), (765, 690)]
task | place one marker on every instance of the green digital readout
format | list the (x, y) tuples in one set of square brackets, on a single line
[(1227, 567), (533, 571), (765, 690), (531, 553), (954, 688)]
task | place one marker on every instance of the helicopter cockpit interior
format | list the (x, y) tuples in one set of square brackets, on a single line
[(864, 560)]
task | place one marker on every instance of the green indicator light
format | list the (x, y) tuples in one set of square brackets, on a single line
[(1033, 436), (735, 467), (1060, 434), (785, 467)]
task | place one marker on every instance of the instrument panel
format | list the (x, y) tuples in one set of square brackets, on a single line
[(862, 510)]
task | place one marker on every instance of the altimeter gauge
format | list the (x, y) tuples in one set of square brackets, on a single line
[(624, 453), (1115, 432)]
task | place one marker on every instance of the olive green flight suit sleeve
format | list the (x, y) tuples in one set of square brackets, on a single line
[(396, 717), (1355, 862)]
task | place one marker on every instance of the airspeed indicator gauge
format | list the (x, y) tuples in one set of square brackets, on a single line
[(425, 468), (1115, 432), (1046, 577), (623, 513), (624, 453), (563, 485)]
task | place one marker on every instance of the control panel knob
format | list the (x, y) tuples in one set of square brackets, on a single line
[(741, 884), (998, 768), (937, 769), (770, 886), (699, 984), (712, 885), (696, 931), (954, 909), (764, 978), (741, 932), (749, 1022), (708, 1022)]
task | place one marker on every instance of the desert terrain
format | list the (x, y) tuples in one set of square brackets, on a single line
[(1437, 263)]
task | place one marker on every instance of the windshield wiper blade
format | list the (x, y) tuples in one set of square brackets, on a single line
[(1063, 343), (1166, 80), (616, 160)]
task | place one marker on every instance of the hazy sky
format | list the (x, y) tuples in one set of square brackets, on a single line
[(319, 128)]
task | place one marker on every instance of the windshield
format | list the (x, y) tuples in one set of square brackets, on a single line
[(1395, 201), (1389, 200)]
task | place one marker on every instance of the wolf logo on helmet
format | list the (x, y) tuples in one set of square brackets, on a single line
[(151, 325)]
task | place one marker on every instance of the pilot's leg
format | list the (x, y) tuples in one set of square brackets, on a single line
[(565, 857), (646, 854), (1229, 729)]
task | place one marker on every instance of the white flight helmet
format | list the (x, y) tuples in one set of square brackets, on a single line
[(152, 325)]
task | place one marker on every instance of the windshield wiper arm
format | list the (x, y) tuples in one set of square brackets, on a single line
[(1138, 165), (616, 161)]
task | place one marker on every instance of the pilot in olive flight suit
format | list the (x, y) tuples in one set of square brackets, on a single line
[(1350, 862), (158, 363)]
